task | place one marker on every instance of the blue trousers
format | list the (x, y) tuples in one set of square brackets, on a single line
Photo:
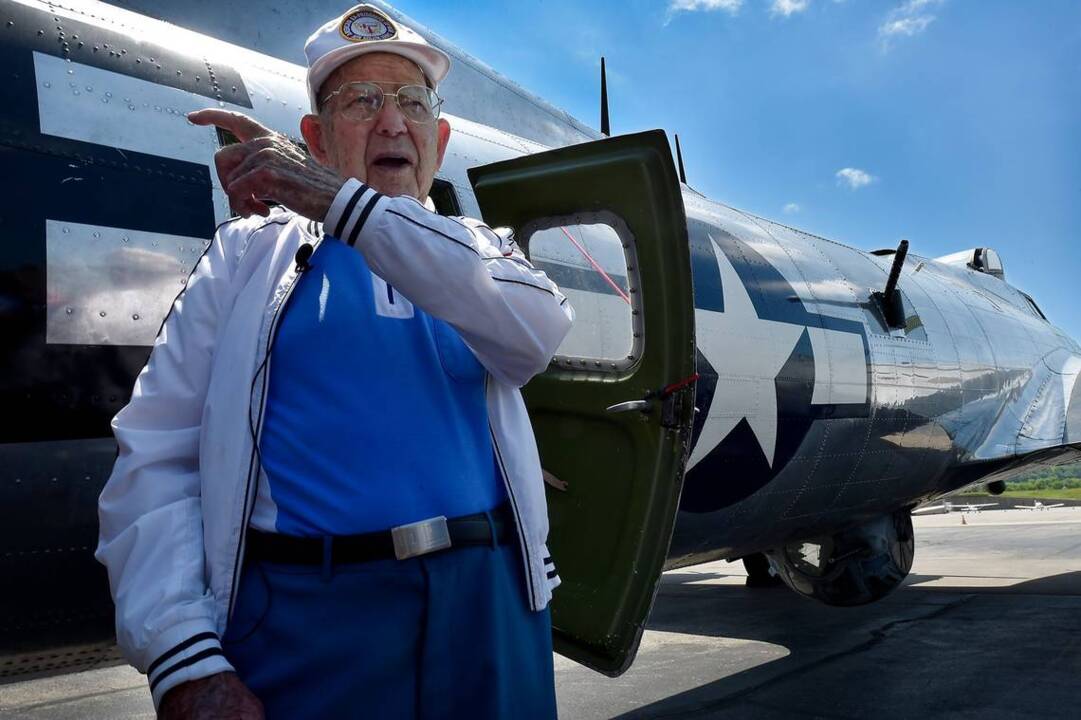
[(447, 635)]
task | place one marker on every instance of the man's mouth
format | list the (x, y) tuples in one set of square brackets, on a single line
[(391, 161)]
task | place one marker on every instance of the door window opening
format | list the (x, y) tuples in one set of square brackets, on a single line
[(590, 256), (444, 198)]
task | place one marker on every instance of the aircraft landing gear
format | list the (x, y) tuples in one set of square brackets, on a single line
[(853, 567), (759, 574)]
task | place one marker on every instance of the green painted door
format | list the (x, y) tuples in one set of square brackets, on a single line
[(614, 410)]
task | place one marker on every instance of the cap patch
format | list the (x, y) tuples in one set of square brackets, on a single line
[(367, 24)]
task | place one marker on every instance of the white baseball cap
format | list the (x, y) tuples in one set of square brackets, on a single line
[(364, 29)]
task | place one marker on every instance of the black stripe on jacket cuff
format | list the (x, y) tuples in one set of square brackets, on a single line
[(363, 218), (179, 647), (348, 210), (186, 662)]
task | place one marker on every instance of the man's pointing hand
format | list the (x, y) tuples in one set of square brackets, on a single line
[(267, 166)]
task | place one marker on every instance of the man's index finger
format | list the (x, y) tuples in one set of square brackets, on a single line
[(239, 124)]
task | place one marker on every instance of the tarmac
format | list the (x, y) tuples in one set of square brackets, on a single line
[(988, 625)]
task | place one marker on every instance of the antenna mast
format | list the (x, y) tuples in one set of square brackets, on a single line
[(606, 130), (679, 162)]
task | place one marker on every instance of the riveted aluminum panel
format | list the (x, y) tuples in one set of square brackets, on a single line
[(112, 286)]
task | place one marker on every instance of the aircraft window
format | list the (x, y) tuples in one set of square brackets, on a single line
[(225, 137), (587, 257), (992, 264), (444, 198), (1035, 308)]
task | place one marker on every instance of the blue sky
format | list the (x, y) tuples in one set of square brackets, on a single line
[(953, 123)]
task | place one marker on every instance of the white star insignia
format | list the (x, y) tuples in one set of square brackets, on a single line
[(747, 353)]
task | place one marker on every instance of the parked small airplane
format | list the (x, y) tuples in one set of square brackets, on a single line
[(1037, 505), (732, 388), (949, 507)]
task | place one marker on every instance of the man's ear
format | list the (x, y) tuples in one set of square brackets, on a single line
[(442, 139), (312, 129)]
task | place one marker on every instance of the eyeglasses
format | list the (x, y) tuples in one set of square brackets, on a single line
[(362, 101)]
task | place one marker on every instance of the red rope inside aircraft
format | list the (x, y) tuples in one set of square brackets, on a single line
[(597, 267)]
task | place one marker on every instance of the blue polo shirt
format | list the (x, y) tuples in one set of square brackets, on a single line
[(376, 413)]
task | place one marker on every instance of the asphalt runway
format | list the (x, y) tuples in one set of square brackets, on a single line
[(987, 626)]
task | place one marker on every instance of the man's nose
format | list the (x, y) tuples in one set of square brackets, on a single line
[(390, 121)]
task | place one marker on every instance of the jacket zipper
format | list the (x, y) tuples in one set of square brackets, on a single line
[(254, 466)]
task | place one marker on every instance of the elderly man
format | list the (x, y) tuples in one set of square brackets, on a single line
[(321, 399)]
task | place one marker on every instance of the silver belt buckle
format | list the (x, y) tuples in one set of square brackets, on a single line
[(420, 538)]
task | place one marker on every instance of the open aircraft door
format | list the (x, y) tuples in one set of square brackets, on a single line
[(613, 412)]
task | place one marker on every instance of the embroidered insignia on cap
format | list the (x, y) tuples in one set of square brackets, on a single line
[(367, 24)]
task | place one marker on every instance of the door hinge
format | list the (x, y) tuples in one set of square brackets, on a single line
[(672, 410), (672, 399)]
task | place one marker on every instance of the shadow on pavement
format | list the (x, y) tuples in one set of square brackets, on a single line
[(923, 652)]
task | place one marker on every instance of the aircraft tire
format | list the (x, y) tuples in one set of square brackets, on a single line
[(759, 572)]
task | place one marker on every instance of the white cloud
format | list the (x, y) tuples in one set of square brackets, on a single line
[(854, 178), (905, 26), (729, 6), (791, 208), (907, 19), (917, 5), (788, 7)]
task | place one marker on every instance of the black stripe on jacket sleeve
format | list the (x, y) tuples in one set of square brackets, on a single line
[(197, 657), (454, 240), (179, 647)]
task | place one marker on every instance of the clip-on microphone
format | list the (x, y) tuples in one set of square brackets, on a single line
[(304, 254)]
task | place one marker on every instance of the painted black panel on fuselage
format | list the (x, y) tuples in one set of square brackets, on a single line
[(55, 392)]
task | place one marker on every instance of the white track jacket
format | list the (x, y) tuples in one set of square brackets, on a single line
[(175, 510)]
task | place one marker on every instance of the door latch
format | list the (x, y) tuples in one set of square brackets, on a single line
[(642, 405)]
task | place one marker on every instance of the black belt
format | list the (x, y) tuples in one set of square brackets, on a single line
[(403, 542)]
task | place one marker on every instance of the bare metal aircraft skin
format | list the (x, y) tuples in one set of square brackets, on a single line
[(865, 418), (826, 410)]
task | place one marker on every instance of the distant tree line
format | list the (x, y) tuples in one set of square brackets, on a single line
[(1048, 478)]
